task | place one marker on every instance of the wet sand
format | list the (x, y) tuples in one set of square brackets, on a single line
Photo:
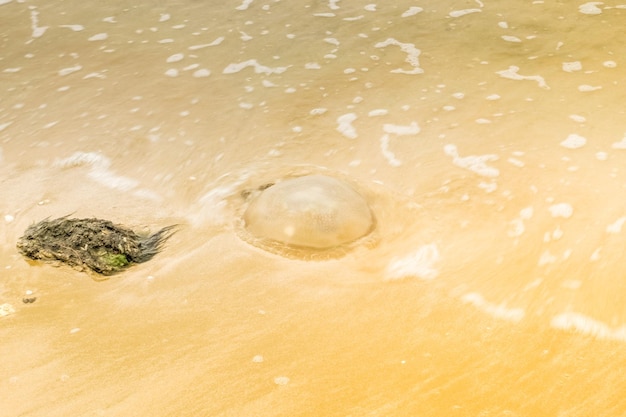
[(487, 139)]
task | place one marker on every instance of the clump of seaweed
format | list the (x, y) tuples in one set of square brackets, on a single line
[(99, 245)]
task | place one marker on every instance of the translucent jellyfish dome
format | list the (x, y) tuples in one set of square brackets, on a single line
[(314, 212)]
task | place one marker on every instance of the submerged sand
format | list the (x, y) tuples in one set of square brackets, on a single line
[(486, 138)]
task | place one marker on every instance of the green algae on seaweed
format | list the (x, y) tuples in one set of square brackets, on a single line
[(99, 245)]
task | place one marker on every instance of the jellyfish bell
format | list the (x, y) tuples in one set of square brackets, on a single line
[(308, 214)]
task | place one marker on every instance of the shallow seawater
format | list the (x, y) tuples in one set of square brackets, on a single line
[(487, 137)]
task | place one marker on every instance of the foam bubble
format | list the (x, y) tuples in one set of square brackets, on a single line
[(6, 309), (412, 11), (390, 156), (499, 311), (590, 8), (577, 322), (572, 66), (412, 55), (509, 38), (616, 227), (574, 141), (378, 112), (258, 68), (217, 41), (98, 37), (281, 380), (616, 145), (586, 87), (244, 5), (418, 264), (175, 58), (75, 28), (201, 73), (412, 129), (69, 70), (345, 125), (474, 163), (318, 111), (578, 118), (100, 171), (459, 13), (512, 74), (564, 210)]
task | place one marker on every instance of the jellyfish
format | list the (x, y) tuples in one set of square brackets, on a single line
[(314, 212)]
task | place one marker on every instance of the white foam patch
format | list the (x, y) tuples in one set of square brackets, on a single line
[(578, 118), (388, 154), (101, 173), (370, 7), (512, 74), (74, 28), (206, 45), (616, 227), (474, 163), (412, 129), (412, 55), (172, 72), (498, 311), (590, 8), (412, 11), (510, 38), (258, 68), (5, 125), (574, 141), (563, 210), (5, 2), (6, 309), (586, 88), (332, 4), (201, 73), (517, 226), (586, 325), (345, 125), (572, 66), (546, 258), (244, 5), (318, 111), (418, 264), (459, 13), (98, 37), (37, 31), (378, 112), (69, 70), (175, 58), (620, 145)]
